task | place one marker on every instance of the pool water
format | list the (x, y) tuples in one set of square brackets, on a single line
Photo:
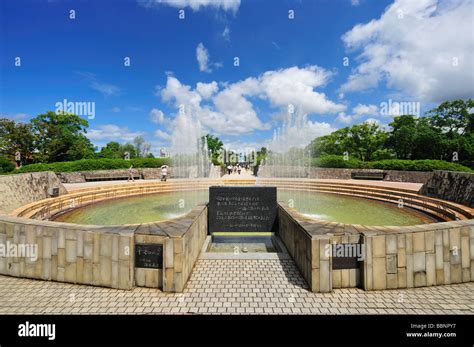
[(163, 206)]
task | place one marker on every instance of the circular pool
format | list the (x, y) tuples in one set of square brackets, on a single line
[(168, 205)]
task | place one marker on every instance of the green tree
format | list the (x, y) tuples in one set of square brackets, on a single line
[(111, 150), (402, 138), (61, 137), (360, 140), (130, 149), (17, 137), (215, 146), (455, 119)]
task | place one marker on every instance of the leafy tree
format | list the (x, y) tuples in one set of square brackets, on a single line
[(114, 150), (215, 146), (111, 150), (61, 137), (17, 137), (402, 138), (455, 119), (131, 149), (141, 147), (360, 140)]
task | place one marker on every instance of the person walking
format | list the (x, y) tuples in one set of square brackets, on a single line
[(229, 169), (164, 172), (239, 168), (130, 174)]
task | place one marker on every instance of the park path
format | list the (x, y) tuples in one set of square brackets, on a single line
[(231, 287), (244, 175)]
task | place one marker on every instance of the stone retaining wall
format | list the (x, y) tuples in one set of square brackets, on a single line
[(343, 174), (99, 256), (452, 186), (144, 173), (441, 254), (104, 256), (21, 189), (394, 257)]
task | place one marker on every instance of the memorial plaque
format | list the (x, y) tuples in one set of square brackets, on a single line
[(350, 259), (148, 255), (242, 209)]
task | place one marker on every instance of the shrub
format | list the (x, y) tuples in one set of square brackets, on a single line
[(334, 161), (6, 165), (418, 165), (96, 164)]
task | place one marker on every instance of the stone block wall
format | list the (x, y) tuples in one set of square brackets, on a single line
[(181, 252), (453, 186), (346, 278), (98, 256), (393, 257), (428, 255), (151, 278), (308, 252), (21, 189), (343, 174)]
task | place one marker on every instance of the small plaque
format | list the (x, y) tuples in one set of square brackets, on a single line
[(346, 256), (344, 263), (149, 255), (242, 209)]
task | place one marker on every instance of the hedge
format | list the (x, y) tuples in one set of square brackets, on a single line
[(95, 164), (334, 161), (329, 161), (6, 165)]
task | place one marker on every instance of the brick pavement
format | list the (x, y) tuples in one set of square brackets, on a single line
[(231, 287)]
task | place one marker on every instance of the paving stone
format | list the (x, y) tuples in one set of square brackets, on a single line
[(252, 287)]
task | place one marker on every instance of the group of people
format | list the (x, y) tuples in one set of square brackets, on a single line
[(236, 168)]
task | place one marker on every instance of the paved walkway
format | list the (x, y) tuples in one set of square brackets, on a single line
[(231, 287)]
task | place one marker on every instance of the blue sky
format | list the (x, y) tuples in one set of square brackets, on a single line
[(403, 51)]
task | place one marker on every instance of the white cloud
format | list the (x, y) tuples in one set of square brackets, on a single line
[(231, 110), (355, 2), (296, 86), (163, 135), (226, 33), (116, 109), (365, 110), (111, 132), (202, 56), (106, 89), (195, 5), (357, 112), (206, 90), (157, 116), (423, 48), (343, 118), (297, 132)]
